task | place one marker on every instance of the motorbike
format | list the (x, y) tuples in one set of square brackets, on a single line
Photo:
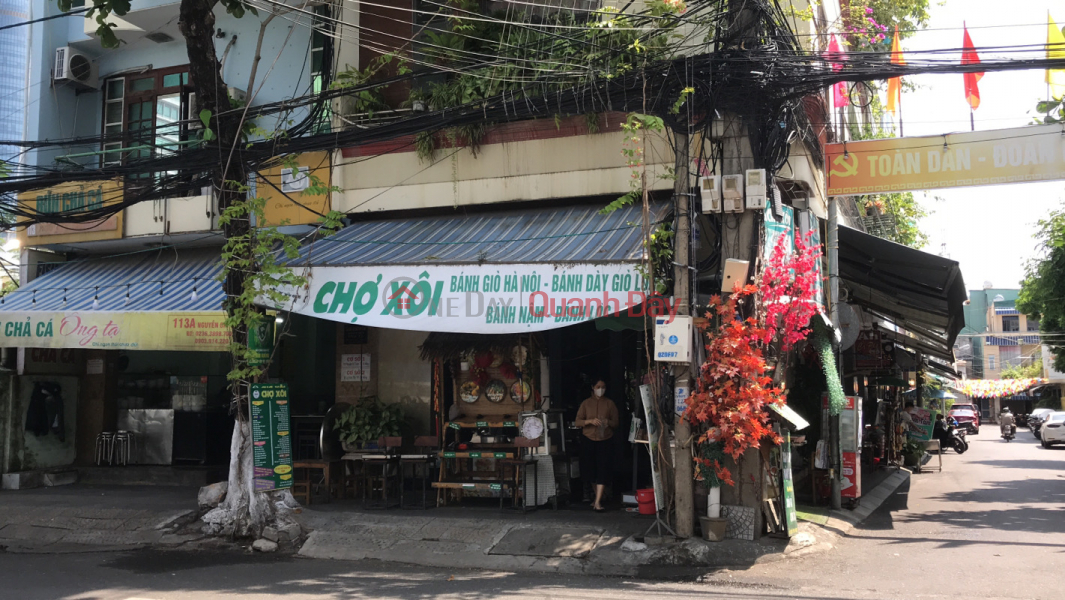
[(954, 438), (957, 431), (1008, 431)]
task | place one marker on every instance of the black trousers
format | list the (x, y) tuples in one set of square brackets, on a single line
[(597, 461)]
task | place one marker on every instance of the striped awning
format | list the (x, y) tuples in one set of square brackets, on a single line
[(165, 299), (513, 272), (160, 280), (1006, 310), (572, 234), (1026, 340)]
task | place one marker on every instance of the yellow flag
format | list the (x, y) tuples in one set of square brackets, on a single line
[(1055, 50), (894, 85)]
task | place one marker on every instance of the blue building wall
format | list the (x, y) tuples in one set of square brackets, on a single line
[(58, 112), (13, 50)]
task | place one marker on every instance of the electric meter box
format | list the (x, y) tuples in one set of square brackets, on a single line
[(673, 339), (732, 193), (755, 189), (710, 192)]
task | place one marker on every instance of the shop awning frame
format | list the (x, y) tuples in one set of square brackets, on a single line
[(919, 292)]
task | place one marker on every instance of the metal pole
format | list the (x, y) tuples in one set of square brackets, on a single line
[(833, 307)]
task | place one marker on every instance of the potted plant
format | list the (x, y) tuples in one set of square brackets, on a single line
[(911, 453), (364, 423), (708, 467)]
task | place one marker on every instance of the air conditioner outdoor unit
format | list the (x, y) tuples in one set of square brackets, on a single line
[(76, 69), (732, 193), (756, 189), (710, 191)]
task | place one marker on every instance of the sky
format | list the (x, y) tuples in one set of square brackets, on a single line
[(988, 230)]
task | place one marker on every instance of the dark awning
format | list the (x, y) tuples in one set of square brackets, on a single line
[(919, 292)]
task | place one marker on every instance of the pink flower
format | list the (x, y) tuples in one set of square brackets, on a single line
[(868, 10)]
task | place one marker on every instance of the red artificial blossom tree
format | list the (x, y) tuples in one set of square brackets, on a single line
[(735, 385)]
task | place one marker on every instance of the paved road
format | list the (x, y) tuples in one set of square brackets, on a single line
[(984, 528)]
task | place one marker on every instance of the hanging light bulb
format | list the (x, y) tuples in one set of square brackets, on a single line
[(160, 288), (35, 297), (194, 295), (96, 299), (64, 297), (127, 294)]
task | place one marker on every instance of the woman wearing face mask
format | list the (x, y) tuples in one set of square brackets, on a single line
[(597, 417)]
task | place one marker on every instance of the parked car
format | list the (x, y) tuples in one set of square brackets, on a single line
[(967, 420), (1035, 420), (1053, 429), (968, 406)]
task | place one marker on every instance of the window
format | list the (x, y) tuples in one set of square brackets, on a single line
[(1011, 323), (991, 362), (1033, 324), (143, 114), (1009, 356), (321, 64)]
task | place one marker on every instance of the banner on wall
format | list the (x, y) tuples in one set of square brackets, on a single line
[(188, 331), (505, 299), (1034, 153)]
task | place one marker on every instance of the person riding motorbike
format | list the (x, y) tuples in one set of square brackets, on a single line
[(1006, 423)]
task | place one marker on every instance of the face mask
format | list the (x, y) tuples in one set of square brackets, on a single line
[(599, 391)]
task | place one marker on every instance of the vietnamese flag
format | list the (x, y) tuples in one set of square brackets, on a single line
[(836, 56), (969, 57), (894, 85)]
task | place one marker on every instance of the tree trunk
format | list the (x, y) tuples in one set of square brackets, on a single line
[(244, 511)]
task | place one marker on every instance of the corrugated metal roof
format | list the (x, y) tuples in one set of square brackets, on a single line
[(994, 340), (545, 235), (173, 272)]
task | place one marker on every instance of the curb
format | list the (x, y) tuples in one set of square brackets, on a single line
[(842, 522)]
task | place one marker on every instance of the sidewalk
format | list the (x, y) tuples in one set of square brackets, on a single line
[(566, 541), (80, 518), (84, 518)]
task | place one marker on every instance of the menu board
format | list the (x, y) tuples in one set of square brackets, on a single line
[(271, 436)]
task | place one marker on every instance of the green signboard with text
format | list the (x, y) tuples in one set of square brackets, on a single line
[(271, 436)]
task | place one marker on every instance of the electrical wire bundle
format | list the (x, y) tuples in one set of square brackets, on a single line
[(758, 72)]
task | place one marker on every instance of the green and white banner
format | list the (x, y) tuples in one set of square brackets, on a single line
[(513, 298)]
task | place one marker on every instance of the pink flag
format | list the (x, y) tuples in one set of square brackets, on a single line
[(835, 53)]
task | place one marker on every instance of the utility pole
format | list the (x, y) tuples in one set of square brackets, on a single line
[(685, 507), (833, 308)]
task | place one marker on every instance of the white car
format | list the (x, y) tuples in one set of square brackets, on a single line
[(1053, 429)]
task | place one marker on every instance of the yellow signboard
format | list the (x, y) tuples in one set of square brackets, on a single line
[(191, 331), (73, 197), (1034, 153), (289, 193)]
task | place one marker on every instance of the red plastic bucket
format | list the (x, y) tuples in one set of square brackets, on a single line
[(647, 508), (645, 496)]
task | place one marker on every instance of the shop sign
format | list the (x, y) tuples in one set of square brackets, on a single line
[(516, 298), (868, 350), (1034, 153), (789, 485), (271, 436), (188, 331), (775, 230), (74, 197), (261, 342), (295, 194), (924, 422), (354, 367)]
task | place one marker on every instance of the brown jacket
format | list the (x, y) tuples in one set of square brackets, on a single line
[(598, 408)]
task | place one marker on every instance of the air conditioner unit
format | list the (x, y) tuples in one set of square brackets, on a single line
[(732, 193), (710, 191), (756, 189), (76, 69)]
